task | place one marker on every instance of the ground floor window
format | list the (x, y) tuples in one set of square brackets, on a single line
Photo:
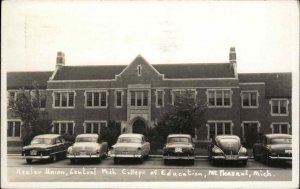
[(280, 128), (63, 127), (94, 127), (14, 129), (219, 128)]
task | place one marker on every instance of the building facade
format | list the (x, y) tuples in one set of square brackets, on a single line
[(83, 99)]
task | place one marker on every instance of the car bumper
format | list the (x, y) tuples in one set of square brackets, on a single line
[(72, 156), (35, 157), (280, 158), (126, 155), (230, 159), (179, 157)]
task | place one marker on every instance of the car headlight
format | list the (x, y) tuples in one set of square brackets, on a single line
[(273, 154), (216, 150), (70, 150), (243, 151), (139, 151), (111, 150)]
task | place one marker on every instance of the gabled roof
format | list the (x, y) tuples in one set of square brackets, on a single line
[(170, 71), (277, 84), (17, 80)]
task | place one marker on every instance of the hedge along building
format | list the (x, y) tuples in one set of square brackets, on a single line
[(82, 99)]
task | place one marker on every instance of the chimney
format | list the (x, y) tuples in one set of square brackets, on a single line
[(232, 60), (60, 59)]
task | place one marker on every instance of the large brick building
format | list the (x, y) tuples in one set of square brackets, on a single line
[(82, 99)]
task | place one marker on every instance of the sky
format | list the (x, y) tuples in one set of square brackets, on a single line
[(264, 33)]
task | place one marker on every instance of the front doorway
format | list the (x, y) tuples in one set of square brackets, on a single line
[(139, 126), (250, 133)]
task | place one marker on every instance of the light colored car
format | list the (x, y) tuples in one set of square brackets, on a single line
[(130, 146), (87, 146), (227, 148), (180, 147)]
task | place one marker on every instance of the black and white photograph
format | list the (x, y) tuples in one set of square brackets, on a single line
[(149, 94)]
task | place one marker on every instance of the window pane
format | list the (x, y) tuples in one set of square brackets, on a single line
[(145, 100), (96, 99), (103, 98), (253, 98), (283, 106), (88, 128), (89, 97), (132, 94), (64, 99), (284, 128), (102, 126), (226, 98), (71, 99), (56, 128), (63, 128), (227, 128), (70, 128), (17, 129), (246, 99), (95, 127), (220, 128), (211, 98), (276, 128), (57, 99), (159, 98), (219, 98), (212, 130), (10, 128), (119, 98), (275, 106), (139, 99)]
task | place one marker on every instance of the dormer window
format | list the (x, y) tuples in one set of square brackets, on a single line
[(139, 68)]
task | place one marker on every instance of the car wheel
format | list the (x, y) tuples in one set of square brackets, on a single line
[(73, 161), (99, 159), (166, 162), (53, 158), (116, 160), (141, 159), (192, 161), (29, 161), (268, 160), (244, 162)]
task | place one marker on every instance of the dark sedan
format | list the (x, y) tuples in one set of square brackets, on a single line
[(227, 147), (47, 146), (272, 147)]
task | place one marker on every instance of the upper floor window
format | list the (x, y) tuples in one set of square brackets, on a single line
[(280, 128), (249, 99), (64, 99), (139, 98), (14, 129), (279, 107), (94, 127), (139, 69), (42, 97), (219, 128), (219, 97), (63, 127), (11, 98), (159, 98), (177, 94), (119, 98), (96, 99)]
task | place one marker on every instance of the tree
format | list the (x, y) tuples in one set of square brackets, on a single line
[(111, 133), (34, 120)]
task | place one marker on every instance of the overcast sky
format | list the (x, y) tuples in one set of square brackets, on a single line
[(265, 34)]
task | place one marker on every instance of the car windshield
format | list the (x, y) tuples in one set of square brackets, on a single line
[(86, 139), (178, 139), (42, 141), (129, 140), (281, 141)]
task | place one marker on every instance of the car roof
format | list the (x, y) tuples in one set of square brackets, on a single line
[(131, 135), (278, 135), (218, 137), (47, 136), (179, 135), (88, 135)]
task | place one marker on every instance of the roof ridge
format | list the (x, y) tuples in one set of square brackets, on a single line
[(192, 63), (264, 73), (29, 72)]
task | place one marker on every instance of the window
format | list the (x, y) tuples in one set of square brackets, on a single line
[(279, 107), (139, 69), (219, 98), (176, 94), (249, 99), (14, 129), (96, 99), (11, 98), (139, 98), (119, 98), (64, 99), (94, 127), (63, 127), (159, 98), (42, 97), (219, 128), (280, 128)]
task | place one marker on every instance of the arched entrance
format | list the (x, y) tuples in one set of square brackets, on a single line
[(139, 126)]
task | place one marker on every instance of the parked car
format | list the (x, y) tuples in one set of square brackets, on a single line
[(47, 146), (87, 146), (130, 146), (179, 147), (227, 147), (271, 147)]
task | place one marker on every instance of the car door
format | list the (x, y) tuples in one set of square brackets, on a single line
[(59, 145)]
